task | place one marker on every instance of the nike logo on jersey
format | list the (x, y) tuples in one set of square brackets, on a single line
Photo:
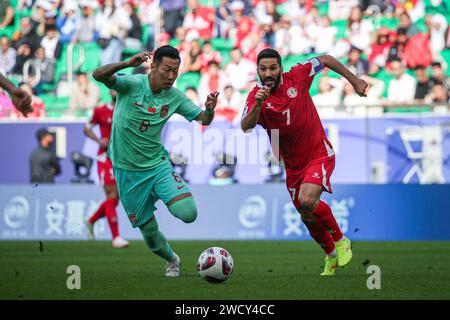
[(180, 187), (269, 105), (316, 175)]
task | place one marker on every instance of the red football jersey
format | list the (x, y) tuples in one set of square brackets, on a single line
[(291, 110), (103, 116)]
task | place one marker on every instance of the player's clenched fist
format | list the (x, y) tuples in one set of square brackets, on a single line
[(361, 87), (139, 59), (262, 94)]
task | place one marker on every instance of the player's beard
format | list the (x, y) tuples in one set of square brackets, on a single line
[(275, 82)]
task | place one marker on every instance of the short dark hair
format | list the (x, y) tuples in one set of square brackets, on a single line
[(269, 53), (436, 64), (165, 51)]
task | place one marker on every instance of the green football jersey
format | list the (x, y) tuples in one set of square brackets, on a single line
[(139, 117)]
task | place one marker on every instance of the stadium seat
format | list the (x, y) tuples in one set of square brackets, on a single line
[(189, 79)]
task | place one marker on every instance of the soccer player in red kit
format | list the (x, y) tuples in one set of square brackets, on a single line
[(283, 106), (103, 116)]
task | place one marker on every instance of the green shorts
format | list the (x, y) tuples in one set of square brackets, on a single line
[(139, 190)]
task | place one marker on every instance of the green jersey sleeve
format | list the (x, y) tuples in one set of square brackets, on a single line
[(124, 82), (188, 109)]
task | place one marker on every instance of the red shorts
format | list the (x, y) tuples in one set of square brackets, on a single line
[(316, 172), (105, 172)]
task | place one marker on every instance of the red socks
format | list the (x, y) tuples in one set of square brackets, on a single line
[(326, 218), (98, 214), (325, 230), (108, 208), (111, 216)]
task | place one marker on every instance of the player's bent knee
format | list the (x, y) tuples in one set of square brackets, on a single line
[(308, 205), (184, 209)]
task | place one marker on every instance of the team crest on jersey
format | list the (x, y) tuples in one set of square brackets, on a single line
[(164, 111), (292, 92), (133, 218)]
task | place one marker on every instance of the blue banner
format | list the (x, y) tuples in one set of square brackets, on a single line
[(364, 212)]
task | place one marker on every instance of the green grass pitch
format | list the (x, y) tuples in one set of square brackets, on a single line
[(263, 270)]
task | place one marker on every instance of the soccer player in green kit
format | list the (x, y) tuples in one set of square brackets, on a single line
[(141, 164)]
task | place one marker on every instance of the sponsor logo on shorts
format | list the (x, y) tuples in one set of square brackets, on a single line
[(316, 175), (164, 111), (292, 92), (133, 218)]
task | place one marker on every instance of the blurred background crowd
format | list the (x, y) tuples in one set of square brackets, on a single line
[(400, 47)]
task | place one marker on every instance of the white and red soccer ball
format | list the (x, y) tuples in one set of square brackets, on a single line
[(215, 264)]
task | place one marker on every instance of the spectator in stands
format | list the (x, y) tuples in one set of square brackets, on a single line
[(191, 61), (7, 56), (297, 8), (438, 94), (23, 54), (230, 104), (86, 28), (42, 14), (324, 37), (242, 25), (192, 94), (112, 24), (423, 85), (414, 8), (356, 63), (85, 94), (172, 15), (438, 74), (340, 9), (396, 52), (208, 54), (36, 103), (330, 91), (6, 14), (380, 48), (359, 31), (51, 44), (402, 88), (213, 80), (266, 11), (199, 20), (149, 15), (405, 23), (300, 40), (68, 22), (46, 69), (133, 38), (437, 26), (268, 34), (44, 165), (253, 46), (240, 71), (26, 34), (223, 20), (282, 36)]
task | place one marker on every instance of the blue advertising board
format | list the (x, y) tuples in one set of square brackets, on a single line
[(364, 212)]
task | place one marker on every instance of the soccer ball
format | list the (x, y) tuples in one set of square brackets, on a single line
[(215, 264)]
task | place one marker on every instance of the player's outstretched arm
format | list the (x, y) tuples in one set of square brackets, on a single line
[(250, 120), (207, 116), (106, 74), (20, 99), (361, 87)]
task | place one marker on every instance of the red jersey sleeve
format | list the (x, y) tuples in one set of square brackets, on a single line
[(250, 103), (94, 119), (306, 71)]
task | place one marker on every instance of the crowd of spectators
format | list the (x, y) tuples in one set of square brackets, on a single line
[(408, 52)]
